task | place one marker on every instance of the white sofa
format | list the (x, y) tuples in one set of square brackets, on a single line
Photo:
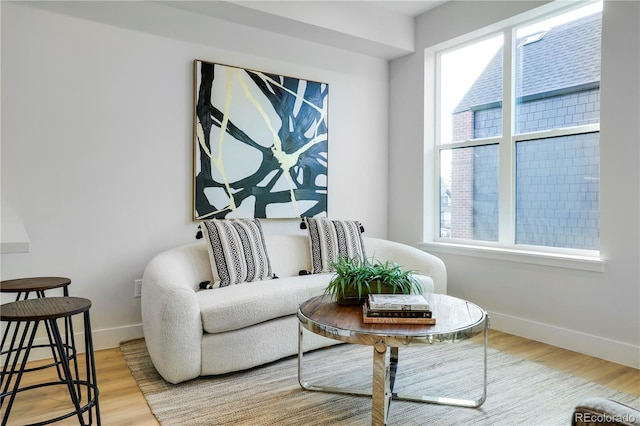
[(191, 332)]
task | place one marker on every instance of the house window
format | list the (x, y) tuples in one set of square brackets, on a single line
[(518, 135)]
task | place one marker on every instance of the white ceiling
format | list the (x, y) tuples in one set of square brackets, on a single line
[(406, 7), (409, 7), (381, 28)]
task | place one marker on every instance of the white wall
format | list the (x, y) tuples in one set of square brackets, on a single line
[(592, 312), (97, 138)]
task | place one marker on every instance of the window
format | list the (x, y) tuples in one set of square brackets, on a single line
[(518, 135)]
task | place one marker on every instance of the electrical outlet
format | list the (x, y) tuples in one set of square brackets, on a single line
[(137, 289)]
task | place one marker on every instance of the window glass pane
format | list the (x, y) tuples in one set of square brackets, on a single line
[(558, 192), (557, 65), (471, 91), (469, 193), (556, 90)]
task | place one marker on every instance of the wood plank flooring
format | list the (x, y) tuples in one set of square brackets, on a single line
[(122, 403)]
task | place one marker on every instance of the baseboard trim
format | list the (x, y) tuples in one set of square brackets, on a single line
[(588, 344), (112, 337), (105, 338)]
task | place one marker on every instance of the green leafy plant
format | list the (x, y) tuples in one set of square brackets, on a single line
[(356, 279)]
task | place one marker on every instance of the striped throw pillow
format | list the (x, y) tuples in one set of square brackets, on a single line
[(331, 239), (237, 251)]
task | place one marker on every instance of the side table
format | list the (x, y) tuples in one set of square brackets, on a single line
[(31, 313)]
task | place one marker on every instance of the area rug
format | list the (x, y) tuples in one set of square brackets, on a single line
[(520, 392)]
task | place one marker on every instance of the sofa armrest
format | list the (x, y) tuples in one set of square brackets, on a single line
[(171, 318), (411, 258), (602, 411)]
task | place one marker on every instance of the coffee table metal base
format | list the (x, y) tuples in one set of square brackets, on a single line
[(384, 373)]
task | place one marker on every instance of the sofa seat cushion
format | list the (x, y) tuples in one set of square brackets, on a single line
[(243, 305)]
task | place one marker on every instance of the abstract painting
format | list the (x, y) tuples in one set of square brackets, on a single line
[(260, 144)]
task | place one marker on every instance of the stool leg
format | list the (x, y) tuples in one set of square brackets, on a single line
[(14, 351), (92, 379), (70, 347), (5, 334), (64, 362), (27, 350), (40, 294), (54, 354), (4, 340)]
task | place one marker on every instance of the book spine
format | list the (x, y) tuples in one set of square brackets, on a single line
[(384, 320), (397, 307), (405, 303), (403, 308)]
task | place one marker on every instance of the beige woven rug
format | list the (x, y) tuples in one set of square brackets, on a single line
[(520, 392)]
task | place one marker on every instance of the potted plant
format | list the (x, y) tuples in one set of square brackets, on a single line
[(354, 280)]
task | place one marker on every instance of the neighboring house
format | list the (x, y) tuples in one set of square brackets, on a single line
[(558, 86)]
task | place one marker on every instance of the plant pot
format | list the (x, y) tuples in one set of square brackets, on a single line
[(350, 296)]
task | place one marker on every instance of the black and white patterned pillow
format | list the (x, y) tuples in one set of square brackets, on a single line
[(331, 239), (237, 251)]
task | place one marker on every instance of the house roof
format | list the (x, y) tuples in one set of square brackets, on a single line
[(564, 57)]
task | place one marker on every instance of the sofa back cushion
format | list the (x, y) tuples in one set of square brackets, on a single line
[(289, 254)]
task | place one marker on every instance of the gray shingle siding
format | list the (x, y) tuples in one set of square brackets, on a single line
[(557, 188), (485, 193), (572, 109)]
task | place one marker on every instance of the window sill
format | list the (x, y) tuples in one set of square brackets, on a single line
[(584, 263)]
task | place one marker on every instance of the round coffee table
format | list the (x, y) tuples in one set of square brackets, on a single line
[(456, 319)]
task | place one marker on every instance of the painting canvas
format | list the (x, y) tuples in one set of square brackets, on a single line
[(260, 144)]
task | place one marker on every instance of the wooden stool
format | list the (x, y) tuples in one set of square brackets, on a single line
[(32, 312), (23, 287)]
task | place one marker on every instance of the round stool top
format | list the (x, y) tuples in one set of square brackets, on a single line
[(33, 284), (45, 308)]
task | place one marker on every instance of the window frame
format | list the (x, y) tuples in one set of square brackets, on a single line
[(505, 248)]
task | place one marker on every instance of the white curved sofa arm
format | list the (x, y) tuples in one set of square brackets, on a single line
[(411, 258), (171, 312)]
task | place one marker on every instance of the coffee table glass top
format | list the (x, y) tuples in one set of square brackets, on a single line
[(456, 319)]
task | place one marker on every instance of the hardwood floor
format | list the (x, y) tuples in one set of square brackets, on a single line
[(610, 374), (122, 403)]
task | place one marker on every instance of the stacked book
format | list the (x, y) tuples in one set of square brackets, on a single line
[(397, 309)]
